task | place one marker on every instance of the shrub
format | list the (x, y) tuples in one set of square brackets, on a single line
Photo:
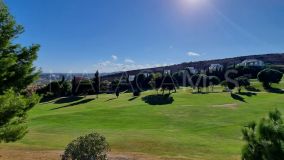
[(264, 141), (268, 76), (90, 147)]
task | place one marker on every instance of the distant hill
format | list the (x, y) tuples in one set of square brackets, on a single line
[(275, 59)]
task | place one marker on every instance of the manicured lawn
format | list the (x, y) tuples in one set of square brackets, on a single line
[(193, 126)]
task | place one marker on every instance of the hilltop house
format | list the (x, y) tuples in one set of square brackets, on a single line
[(252, 63), (131, 78), (216, 67)]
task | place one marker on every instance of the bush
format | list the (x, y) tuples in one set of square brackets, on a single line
[(90, 147), (264, 141)]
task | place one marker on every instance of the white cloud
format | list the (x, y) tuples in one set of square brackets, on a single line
[(114, 57), (127, 60), (110, 66), (193, 54)]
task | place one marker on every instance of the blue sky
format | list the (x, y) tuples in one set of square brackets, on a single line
[(112, 35)]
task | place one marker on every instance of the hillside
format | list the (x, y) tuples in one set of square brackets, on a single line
[(275, 59)]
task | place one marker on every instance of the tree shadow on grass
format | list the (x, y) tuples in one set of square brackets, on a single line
[(274, 90), (248, 94), (110, 99), (252, 89), (46, 100), (75, 103), (133, 98), (67, 100), (158, 99), (237, 97)]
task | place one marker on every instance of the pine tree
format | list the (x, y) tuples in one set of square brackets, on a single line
[(265, 140), (16, 73)]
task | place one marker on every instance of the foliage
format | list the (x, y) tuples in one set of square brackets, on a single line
[(199, 81), (16, 73), (168, 83), (117, 93), (250, 71), (104, 85), (213, 81), (56, 89), (97, 83), (16, 62), (92, 147), (268, 76), (120, 85), (13, 112), (229, 84), (265, 141), (242, 82)]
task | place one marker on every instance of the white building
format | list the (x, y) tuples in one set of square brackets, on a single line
[(216, 67), (131, 78), (252, 62)]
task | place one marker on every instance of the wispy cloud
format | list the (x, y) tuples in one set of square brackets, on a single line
[(111, 66), (127, 60), (114, 57), (193, 54)]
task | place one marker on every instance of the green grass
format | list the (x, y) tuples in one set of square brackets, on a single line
[(193, 126)]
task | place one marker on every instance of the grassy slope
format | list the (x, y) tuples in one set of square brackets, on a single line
[(190, 127)]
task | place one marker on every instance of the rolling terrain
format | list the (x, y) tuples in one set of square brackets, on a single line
[(188, 126)]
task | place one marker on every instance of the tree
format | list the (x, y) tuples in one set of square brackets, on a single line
[(16, 62), (117, 93), (97, 83), (242, 82), (16, 73), (264, 141), (268, 76), (229, 85), (156, 81), (92, 146), (168, 83), (200, 81), (213, 81)]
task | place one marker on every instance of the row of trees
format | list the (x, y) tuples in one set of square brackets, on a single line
[(156, 81)]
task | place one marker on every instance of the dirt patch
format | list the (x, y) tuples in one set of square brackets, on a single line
[(25, 154), (231, 106), (19, 154)]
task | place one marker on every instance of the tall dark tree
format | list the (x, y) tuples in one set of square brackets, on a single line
[(16, 73), (97, 83), (156, 81)]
